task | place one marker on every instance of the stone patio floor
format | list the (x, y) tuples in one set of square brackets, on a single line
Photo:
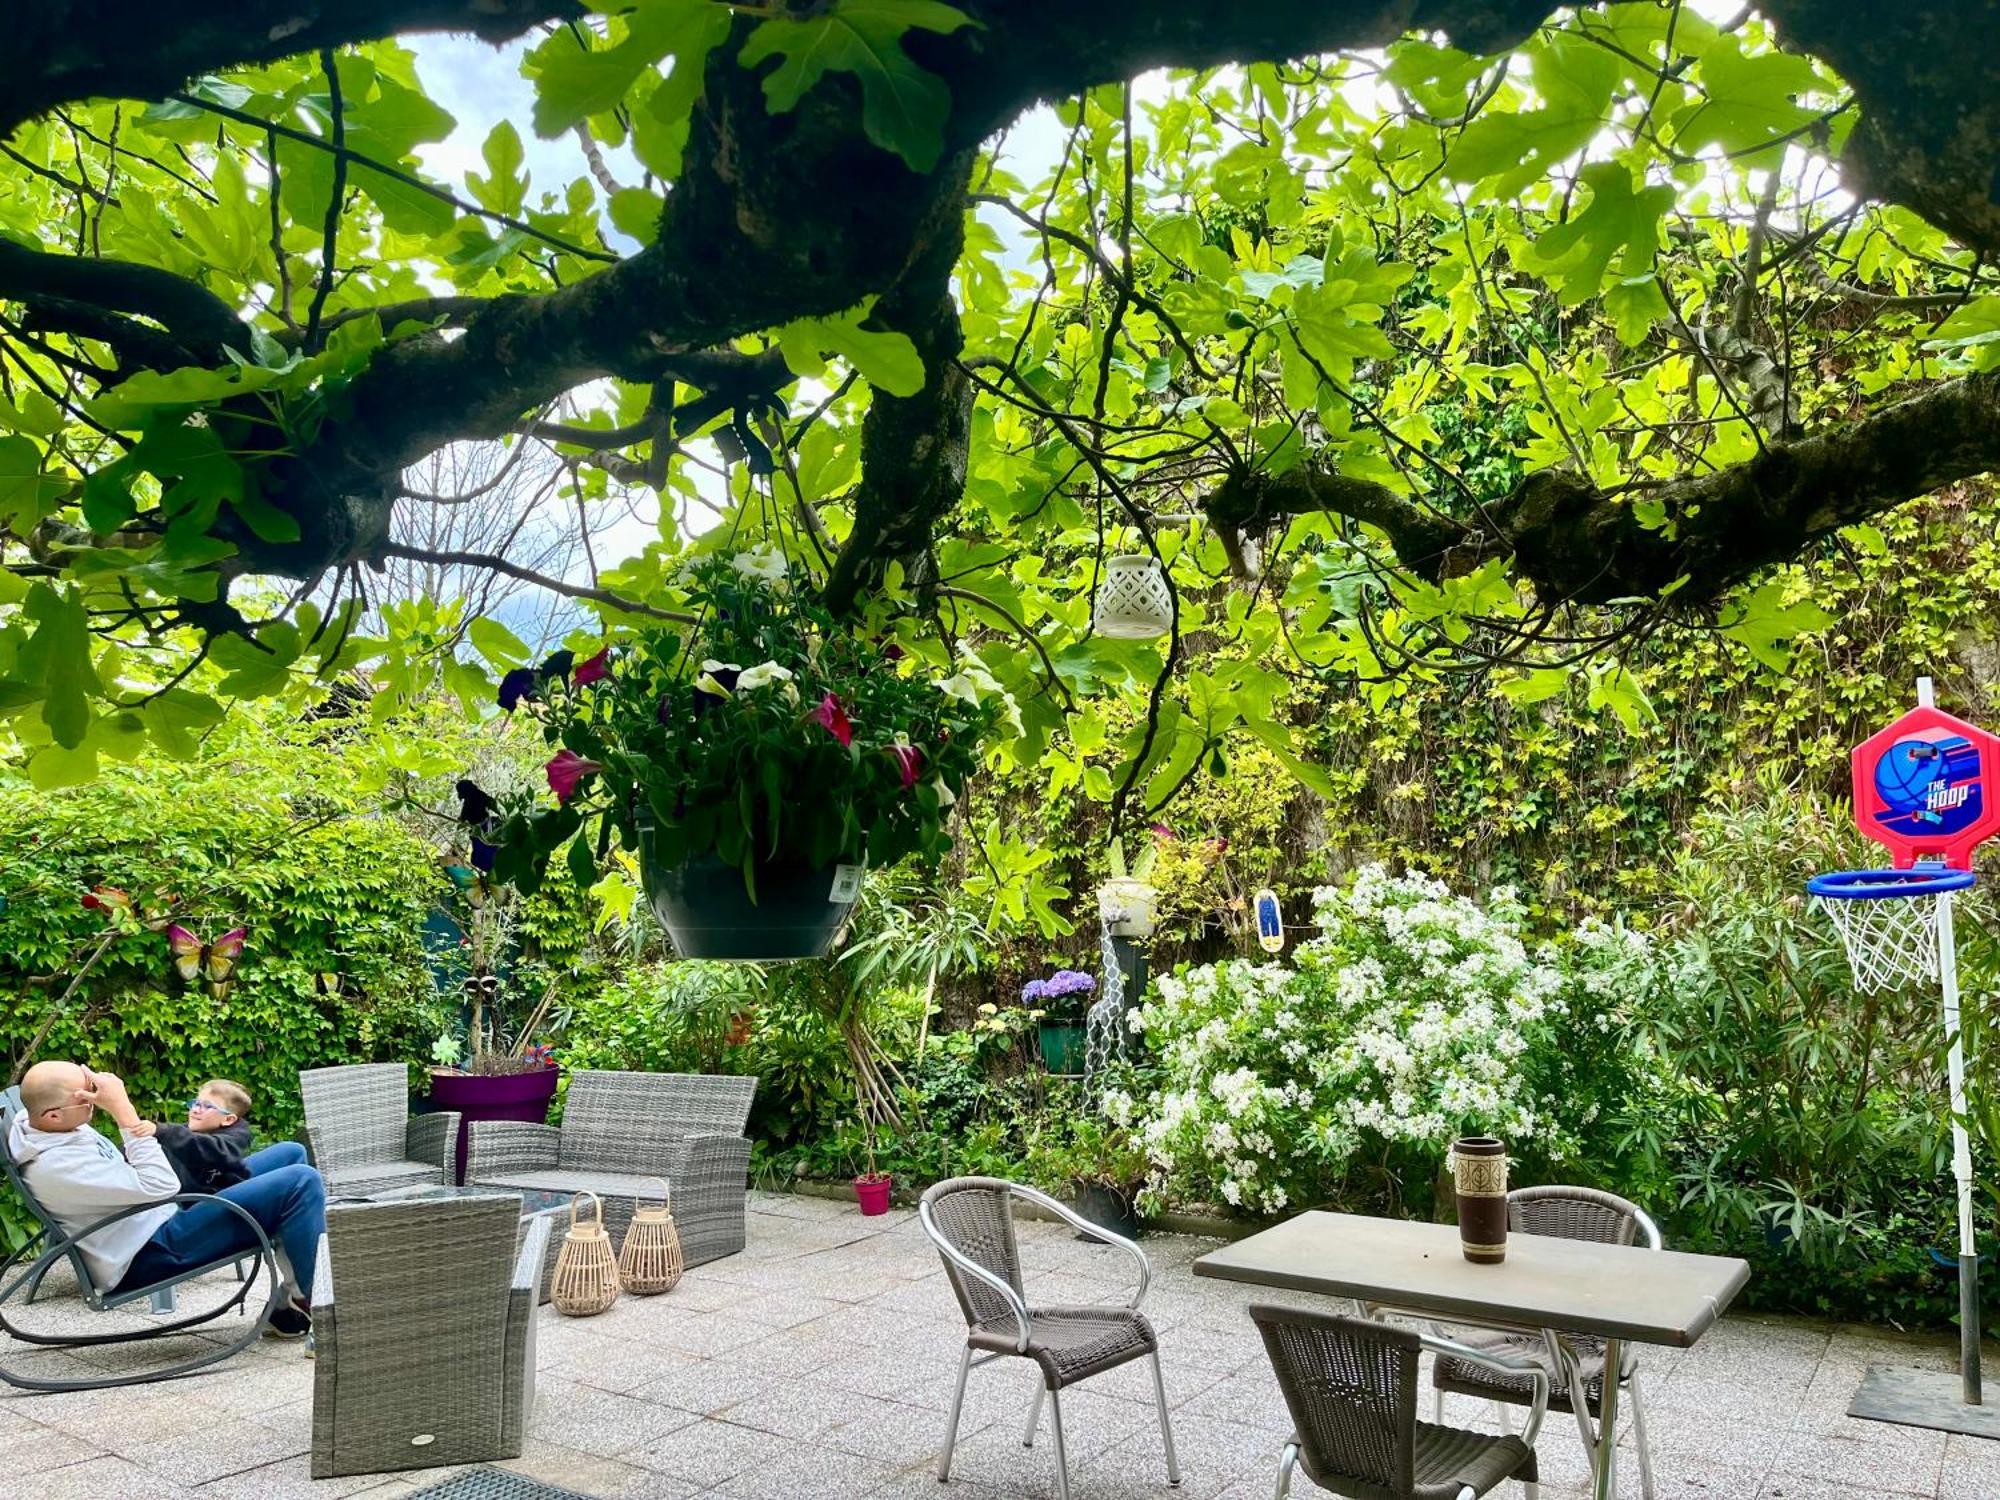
[(817, 1365)]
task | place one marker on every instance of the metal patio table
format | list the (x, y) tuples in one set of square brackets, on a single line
[(1619, 1293)]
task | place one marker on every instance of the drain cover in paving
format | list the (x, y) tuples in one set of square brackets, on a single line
[(495, 1484)]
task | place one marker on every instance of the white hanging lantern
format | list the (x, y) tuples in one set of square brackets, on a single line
[(1134, 602)]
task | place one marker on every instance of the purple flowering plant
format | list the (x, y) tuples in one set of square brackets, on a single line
[(1061, 993)]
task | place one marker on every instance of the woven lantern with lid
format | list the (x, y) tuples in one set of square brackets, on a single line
[(649, 1262), (1134, 602), (586, 1275)]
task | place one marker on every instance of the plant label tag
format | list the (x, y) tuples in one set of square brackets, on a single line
[(1270, 922), (846, 884)]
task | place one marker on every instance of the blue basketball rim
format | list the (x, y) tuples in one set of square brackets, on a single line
[(1888, 885)]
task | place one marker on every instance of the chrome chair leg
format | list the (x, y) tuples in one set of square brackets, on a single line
[(1437, 1405), (1639, 1439), (1034, 1411), (951, 1422), (1285, 1462), (1062, 1451), (1166, 1426)]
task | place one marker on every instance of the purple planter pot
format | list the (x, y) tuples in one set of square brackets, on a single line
[(496, 1096)]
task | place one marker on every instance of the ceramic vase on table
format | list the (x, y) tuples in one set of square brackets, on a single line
[(1479, 1173)]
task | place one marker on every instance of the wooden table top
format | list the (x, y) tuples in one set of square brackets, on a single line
[(1572, 1286)]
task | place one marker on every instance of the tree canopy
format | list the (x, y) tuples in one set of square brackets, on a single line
[(1412, 339)]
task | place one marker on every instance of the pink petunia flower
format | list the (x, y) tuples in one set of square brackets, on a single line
[(565, 770), (908, 759), (831, 717), (594, 670)]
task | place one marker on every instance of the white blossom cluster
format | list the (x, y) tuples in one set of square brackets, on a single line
[(1408, 1021)]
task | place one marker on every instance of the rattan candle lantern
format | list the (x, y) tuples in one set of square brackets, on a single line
[(649, 1262), (1134, 601), (586, 1277)]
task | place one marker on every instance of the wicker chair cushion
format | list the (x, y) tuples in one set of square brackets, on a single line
[(378, 1177), (1073, 1343), (1466, 1379), (569, 1180)]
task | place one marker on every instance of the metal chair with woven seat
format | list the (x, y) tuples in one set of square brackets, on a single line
[(1572, 1213), (1351, 1387), (362, 1136), (971, 1221)]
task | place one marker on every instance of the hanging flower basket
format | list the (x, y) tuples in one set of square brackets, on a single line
[(1127, 907), (799, 911), (1134, 602)]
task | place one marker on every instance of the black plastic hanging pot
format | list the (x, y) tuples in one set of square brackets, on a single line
[(799, 911)]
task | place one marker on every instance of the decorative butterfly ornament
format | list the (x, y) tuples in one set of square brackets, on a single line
[(211, 963)]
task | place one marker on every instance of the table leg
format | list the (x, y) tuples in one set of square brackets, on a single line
[(1604, 1464)]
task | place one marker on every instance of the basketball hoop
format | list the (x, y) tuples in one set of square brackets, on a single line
[(1888, 920)]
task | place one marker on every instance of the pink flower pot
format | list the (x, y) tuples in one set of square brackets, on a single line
[(873, 1193)]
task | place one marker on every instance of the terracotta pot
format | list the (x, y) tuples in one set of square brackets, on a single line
[(1479, 1172)]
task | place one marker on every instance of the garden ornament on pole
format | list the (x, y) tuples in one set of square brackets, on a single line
[(1921, 790)]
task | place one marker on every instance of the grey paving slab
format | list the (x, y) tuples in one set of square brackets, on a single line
[(820, 1362)]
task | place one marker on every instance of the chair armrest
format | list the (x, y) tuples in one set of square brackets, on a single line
[(1089, 1230), (493, 1147), (430, 1138), (322, 1278), (977, 1272), (60, 1245), (1500, 1364), (528, 1263)]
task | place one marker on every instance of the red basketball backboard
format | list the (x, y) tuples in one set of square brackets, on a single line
[(1928, 788)]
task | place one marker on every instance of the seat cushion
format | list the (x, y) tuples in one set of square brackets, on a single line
[(380, 1177), (606, 1185), (1467, 1379), (1074, 1343)]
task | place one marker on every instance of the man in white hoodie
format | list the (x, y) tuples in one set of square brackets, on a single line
[(80, 1177)]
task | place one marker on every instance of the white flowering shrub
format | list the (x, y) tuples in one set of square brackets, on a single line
[(1414, 1017)]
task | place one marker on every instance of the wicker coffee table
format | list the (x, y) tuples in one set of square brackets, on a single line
[(534, 1205)]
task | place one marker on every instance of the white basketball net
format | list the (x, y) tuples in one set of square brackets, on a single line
[(1891, 941)]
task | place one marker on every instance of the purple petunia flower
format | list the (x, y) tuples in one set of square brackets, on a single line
[(516, 685)]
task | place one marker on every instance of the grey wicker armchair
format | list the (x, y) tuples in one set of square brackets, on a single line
[(424, 1324), (1351, 1387), (362, 1136), (1571, 1213), (622, 1130), (971, 1221)]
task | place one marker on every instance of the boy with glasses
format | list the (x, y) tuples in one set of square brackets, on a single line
[(207, 1153)]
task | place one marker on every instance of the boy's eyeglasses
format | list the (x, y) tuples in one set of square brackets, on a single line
[(205, 1107)]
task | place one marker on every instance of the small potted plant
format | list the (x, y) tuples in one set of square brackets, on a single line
[(755, 760), (1101, 1165), (1126, 902), (871, 1188), (1059, 1003)]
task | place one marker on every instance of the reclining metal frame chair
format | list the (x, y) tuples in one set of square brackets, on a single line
[(159, 1295)]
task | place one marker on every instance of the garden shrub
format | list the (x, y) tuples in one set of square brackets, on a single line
[(1415, 1016)]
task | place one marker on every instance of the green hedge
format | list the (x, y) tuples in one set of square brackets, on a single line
[(265, 839)]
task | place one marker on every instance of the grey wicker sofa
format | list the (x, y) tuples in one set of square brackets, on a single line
[(424, 1322), (362, 1135), (620, 1131)]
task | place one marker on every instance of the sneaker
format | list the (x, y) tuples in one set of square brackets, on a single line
[(289, 1322)]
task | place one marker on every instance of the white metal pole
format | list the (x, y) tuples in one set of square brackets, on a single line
[(1961, 1159)]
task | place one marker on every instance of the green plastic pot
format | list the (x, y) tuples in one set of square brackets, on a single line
[(1063, 1046), (708, 912)]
